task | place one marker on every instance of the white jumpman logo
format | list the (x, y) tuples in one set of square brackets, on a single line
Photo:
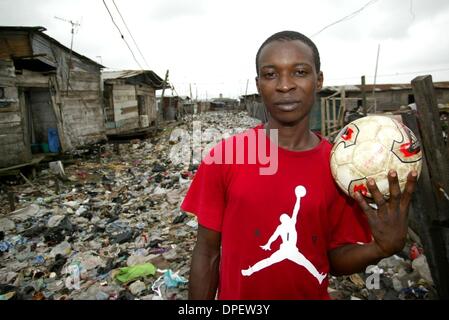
[(287, 250)]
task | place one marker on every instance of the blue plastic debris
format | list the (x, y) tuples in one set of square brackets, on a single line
[(4, 246), (172, 280), (39, 260)]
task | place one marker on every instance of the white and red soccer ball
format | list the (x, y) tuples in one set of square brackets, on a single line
[(370, 147)]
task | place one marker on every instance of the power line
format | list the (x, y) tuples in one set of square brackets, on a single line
[(393, 74), (121, 34), (408, 73), (129, 31), (412, 11), (349, 16)]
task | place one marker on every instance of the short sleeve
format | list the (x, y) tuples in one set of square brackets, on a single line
[(349, 224), (206, 196)]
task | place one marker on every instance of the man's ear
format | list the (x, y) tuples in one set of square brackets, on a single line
[(257, 84), (319, 82)]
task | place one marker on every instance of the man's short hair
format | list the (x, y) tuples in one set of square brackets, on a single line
[(290, 36)]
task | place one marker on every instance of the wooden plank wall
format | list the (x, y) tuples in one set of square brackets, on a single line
[(14, 148), (150, 100), (81, 102), (125, 103), (108, 103), (78, 107)]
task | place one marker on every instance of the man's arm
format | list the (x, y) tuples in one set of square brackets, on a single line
[(203, 280), (353, 258)]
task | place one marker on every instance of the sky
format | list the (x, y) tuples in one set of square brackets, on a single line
[(209, 46)]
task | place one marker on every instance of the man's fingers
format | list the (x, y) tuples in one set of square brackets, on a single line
[(410, 187), (377, 196), (365, 206), (395, 189)]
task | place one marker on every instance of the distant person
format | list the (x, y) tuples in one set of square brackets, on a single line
[(279, 235)]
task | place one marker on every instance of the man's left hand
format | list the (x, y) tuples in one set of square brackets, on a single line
[(389, 223)]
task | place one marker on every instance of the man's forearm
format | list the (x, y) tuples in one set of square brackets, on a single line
[(353, 258), (203, 280)]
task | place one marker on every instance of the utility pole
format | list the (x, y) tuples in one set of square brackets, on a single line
[(74, 25), (246, 94), (162, 100), (375, 78), (364, 107)]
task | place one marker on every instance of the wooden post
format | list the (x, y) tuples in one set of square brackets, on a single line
[(364, 106), (246, 94), (323, 116), (57, 187), (432, 135), (11, 200), (422, 220), (334, 115), (117, 148), (341, 114), (430, 213), (161, 112)]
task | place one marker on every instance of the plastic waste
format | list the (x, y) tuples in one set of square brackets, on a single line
[(128, 274), (173, 279), (169, 279), (39, 260), (63, 249), (7, 296), (53, 140), (5, 246), (57, 168), (24, 213), (415, 252)]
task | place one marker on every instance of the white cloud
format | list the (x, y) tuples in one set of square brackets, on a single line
[(211, 45)]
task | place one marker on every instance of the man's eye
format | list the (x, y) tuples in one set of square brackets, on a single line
[(300, 73), (269, 75)]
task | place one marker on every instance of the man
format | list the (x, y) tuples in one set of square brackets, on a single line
[(238, 208)]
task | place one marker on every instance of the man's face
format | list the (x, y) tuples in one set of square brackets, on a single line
[(288, 81)]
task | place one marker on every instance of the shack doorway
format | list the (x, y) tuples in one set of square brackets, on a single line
[(41, 121)]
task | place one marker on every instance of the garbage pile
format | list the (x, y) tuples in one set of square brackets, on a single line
[(109, 225), (405, 276)]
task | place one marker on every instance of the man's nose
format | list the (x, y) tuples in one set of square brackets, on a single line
[(285, 83)]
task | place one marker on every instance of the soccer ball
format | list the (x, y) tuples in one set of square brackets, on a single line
[(370, 147)]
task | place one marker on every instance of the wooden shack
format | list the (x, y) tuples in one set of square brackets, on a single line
[(130, 100), (173, 107), (254, 106), (45, 88), (335, 105)]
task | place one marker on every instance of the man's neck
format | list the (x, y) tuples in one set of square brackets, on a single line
[(296, 137)]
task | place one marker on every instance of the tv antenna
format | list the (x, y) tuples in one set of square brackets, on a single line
[(74, 25)]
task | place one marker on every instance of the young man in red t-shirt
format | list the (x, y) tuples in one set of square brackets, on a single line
[(275, 229)]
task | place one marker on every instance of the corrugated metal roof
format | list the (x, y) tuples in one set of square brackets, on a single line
[(40, 30), (382, 87), (122, 74), (147, 76)]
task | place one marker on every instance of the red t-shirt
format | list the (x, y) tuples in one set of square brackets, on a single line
[(298, 214)]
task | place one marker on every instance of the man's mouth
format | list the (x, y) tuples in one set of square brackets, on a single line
[(287, 105)]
